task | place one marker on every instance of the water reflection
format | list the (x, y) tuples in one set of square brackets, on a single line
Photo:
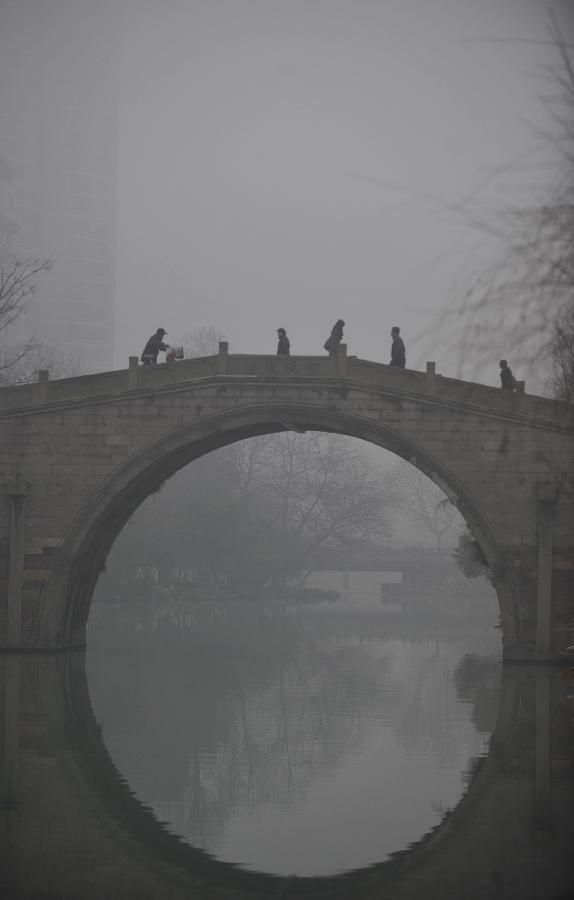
[(71, 828), (294, 742)]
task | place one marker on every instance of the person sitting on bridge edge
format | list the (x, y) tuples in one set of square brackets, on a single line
[(152, 348), (335, 338), (508, 381), (398, 352), (283, 344)]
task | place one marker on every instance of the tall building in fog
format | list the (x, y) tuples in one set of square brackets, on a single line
[(58, 160)]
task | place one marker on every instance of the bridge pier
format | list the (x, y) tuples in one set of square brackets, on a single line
[(543, 613)]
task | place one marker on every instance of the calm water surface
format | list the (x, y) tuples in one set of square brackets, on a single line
[(294, 741), (309, 754)]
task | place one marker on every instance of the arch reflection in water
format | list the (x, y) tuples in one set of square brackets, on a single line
[(72, 828), (291, 740)]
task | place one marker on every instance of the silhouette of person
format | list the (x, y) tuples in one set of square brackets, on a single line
[(335, 338), (398, 352), (283, 344), (153, 347), (508, 382)]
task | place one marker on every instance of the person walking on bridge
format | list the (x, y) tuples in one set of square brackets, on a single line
[(398, 352), (153, 347), (507, 379), (335, 338), (283, 344)]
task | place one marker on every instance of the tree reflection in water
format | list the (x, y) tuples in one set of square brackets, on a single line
[(251, 711)]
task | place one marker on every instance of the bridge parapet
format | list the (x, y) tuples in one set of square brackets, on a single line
[(25, 398)]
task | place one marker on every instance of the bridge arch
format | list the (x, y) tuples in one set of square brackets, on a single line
[(81, 557)]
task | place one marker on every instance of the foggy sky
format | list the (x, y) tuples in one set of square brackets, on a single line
[(289, 163)]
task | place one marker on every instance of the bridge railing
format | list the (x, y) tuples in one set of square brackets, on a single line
[(272, 366), (175, 372), (403, 382)]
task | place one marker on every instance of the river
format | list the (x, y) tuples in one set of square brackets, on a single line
[(297, 741), (251, 751)]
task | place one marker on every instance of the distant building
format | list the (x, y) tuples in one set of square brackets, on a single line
[(58, 161)]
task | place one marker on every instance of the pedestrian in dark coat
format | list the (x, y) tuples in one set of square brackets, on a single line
[(153, 347), (507, 379), (398, 352), (283, 344), (335, 338)]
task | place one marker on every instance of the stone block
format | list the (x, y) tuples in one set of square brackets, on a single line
[(117, 439)]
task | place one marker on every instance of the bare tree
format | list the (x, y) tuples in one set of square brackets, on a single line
[(425, 502), (21, 368), (264, 509), (202, 341), (518, 299), (320, 492), (561, 379), (18, 284)]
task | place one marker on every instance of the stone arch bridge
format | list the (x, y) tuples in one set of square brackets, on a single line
[(79, 455)]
